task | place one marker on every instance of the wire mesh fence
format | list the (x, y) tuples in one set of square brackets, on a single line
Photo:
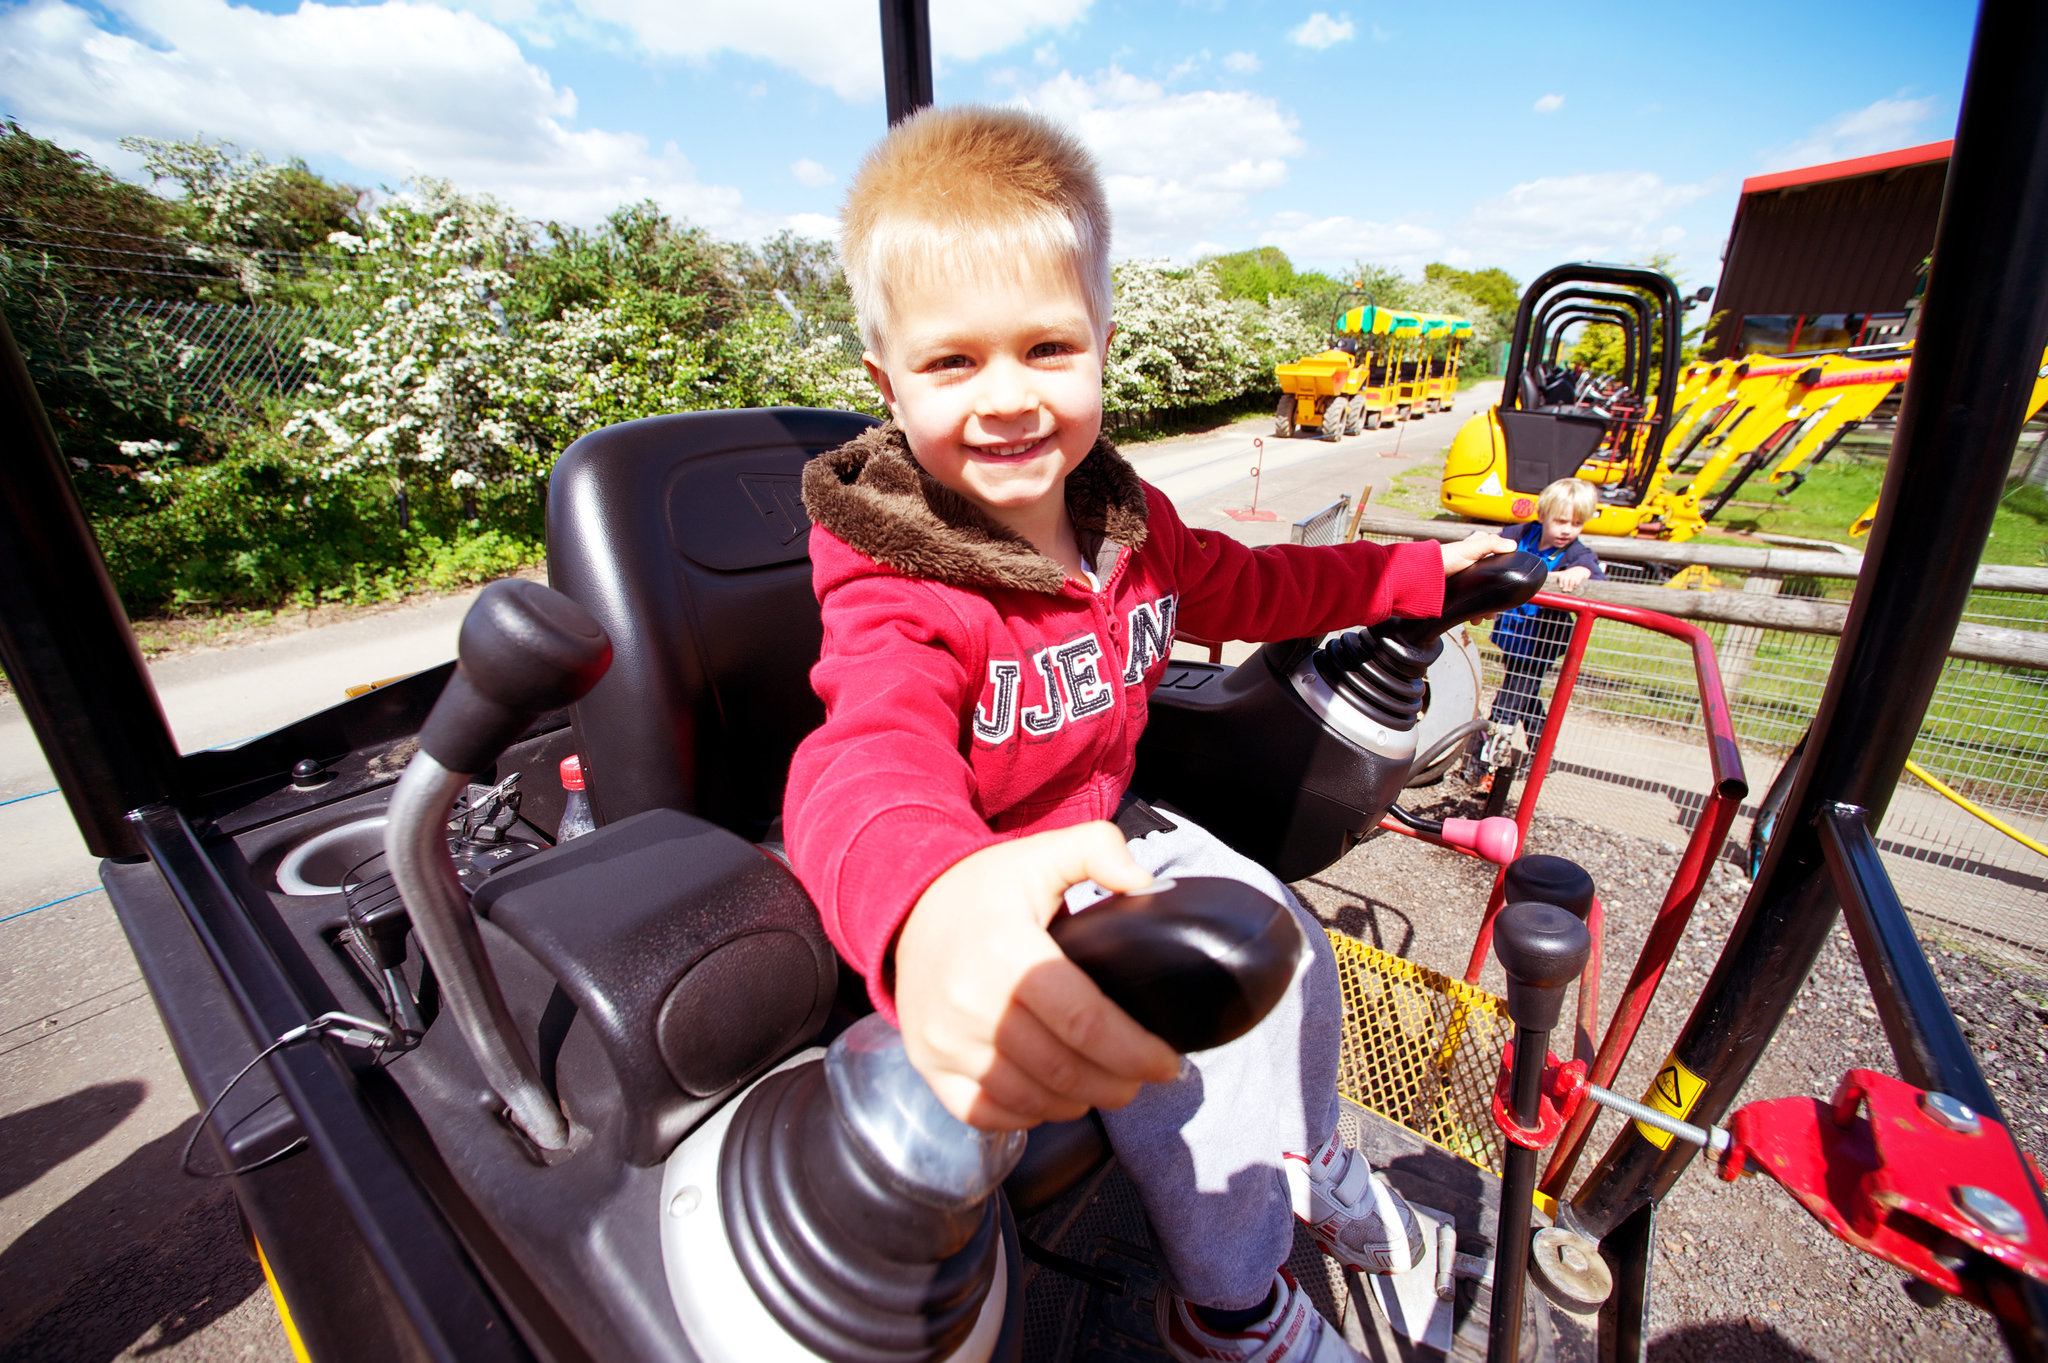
[(222, 355), (1630, 753)]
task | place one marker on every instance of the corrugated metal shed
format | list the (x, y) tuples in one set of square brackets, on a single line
[(1847, 237)]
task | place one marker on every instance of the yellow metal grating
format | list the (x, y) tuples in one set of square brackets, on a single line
[(1421, 1049)]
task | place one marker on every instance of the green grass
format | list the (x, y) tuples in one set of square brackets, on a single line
[(1984, 731), (1418, 489), (1837, 492)]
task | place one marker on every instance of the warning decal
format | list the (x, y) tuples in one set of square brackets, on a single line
[(1672, 1092)]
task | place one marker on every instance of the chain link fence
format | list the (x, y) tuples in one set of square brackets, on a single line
[(219, 356), (1631, 754)]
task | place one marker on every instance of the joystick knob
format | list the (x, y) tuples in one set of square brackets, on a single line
[(1380, 670), (1542, 948), (1197, 962), (524, 650)]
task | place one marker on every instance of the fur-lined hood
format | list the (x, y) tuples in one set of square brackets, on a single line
[(872, 494)]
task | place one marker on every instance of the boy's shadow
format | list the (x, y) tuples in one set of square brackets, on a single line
[(1366, 919)]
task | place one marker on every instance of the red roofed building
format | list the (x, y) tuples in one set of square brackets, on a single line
[(1828, 256)]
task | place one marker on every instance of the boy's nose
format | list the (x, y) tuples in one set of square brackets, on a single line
[(1007, 394)]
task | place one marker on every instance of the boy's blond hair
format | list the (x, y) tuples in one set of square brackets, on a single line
[(1574, 496), (964, 192)]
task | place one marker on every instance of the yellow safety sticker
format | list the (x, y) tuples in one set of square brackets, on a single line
[(1672, 1092)]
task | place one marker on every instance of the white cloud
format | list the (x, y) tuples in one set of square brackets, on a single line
[(392, 89), (814, 225), (1177, 166), (1549, 104), (1319, 31), (809, 172), (1340, 240), (1885, 125), (1244, 63), (829, 42), (1046, 54), (1608, 215)]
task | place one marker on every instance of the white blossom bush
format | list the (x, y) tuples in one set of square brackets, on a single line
[(1180, 343), (425, 388), (766, 361)]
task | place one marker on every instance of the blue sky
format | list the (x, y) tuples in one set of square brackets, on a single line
[(1486, 134)]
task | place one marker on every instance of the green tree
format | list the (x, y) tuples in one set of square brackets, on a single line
[(68, 214), (1494, 289)]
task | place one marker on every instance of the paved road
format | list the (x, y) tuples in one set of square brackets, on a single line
[(105, 1249)]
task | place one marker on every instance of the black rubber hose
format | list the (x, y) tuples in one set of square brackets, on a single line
[(1446, 743), (1415, 821)]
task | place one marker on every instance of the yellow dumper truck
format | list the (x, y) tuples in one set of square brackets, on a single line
[(1385, 365)]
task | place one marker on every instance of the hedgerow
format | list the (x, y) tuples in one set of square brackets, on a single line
[(460, 350)]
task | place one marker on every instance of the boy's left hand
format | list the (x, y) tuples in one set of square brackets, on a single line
[(1571, 579), (1462, 554)]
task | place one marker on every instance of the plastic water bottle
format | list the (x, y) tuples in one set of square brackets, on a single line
[(576, 820)]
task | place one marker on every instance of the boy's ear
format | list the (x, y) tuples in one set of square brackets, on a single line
[(881, 377)]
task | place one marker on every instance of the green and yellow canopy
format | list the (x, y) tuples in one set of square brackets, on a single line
[(1402, 326)]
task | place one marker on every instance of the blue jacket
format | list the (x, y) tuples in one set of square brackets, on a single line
[(1515, 631)]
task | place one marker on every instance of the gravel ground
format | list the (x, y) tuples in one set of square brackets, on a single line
[(1743, 1272)]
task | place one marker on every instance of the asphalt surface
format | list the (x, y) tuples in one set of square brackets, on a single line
[(106, 1250)]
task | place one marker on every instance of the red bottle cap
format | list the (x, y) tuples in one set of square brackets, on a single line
[(572, 772)]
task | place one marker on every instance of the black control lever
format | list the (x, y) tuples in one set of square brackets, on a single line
[(1197, 961), (1380, 670), (1542, 948), (524, 650)]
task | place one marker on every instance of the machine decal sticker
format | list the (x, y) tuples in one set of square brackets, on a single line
[(1672, 1092), (780, 500)]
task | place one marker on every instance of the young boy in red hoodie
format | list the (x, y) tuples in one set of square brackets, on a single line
[(1000, 592)]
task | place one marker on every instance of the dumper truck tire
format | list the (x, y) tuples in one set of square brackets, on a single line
[(1354, 416), (1283, 417), (1334, 416)]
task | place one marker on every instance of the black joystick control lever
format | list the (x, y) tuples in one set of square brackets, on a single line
[(1542, 948), (1196, 961), (1380, 670), (859, 1209), (523, 650)]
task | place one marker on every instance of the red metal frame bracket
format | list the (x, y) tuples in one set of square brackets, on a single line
[(1564, 1084), (1888, 1178)]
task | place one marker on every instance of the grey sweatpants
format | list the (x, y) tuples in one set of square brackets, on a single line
[(1204, 1150)]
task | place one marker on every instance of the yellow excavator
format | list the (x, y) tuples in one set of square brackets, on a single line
[(2035, 402), (1743, 416)]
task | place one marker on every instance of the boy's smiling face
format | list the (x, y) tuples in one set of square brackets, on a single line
[(997, 385)]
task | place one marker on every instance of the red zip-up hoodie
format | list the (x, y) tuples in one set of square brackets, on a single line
[(975, 692)]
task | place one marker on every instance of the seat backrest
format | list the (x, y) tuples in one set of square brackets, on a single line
[(1545, 446), (686, 537)]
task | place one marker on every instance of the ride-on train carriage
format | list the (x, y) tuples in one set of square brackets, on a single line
[(485, 1098)]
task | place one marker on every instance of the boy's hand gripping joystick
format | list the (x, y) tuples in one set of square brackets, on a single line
[(859, 1209)]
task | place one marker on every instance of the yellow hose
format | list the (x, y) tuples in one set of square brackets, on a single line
[(1984, 814)]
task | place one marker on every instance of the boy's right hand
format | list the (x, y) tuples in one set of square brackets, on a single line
[(1007, 1031)]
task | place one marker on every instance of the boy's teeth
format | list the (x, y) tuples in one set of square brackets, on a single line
[(1003, 450)]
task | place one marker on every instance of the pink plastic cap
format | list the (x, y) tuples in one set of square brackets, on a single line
[(572, 776), (1495, 839)]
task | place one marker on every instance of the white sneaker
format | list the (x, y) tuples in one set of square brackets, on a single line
[(1353, 1214), (1292, 1332)]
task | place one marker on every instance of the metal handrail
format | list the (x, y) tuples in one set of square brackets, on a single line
[(1730, 785)]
